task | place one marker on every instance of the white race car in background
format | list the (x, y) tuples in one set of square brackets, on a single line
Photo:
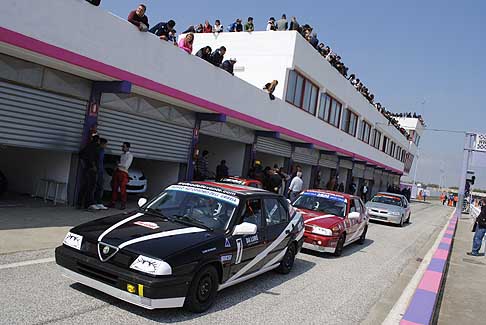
[(137, 182)]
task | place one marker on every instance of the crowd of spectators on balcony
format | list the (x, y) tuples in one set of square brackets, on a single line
[(166, 31), (410, 115)]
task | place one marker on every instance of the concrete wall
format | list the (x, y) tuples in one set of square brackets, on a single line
[(231, 151), (159, 174), (110, 48), (25, 167)]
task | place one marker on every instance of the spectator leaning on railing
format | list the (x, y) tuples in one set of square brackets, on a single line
[(249, 27), (205, 53), (236, 26), (185, 43), (228, 65), (207, 28), (271, 24), (217, 27), (138, 18), (282, 23), (217, 56), (162, 29)]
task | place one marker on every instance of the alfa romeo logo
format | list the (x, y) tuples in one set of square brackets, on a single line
[(106, 250)]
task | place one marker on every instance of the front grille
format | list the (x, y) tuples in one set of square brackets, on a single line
[(97, 274)]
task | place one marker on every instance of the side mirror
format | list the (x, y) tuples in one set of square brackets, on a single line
[(353, 215), (245, 229), (142, 201)]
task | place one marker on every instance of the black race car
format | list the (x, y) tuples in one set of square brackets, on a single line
[(182, 247)]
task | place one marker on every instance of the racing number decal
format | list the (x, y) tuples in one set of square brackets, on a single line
[(239, 250)]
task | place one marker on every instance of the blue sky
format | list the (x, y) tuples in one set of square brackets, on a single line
[(406, 52)]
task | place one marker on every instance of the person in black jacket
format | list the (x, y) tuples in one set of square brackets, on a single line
[(221, 171), (228, 66), (89, 158), (480, 230), (217, 56), (162, 30), (205, 53)]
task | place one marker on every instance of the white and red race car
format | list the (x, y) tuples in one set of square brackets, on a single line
[(332, 220)]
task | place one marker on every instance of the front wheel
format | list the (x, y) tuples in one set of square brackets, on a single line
[(401, 222), (288, 260), (340, 246), (203, 290), (408, 219)]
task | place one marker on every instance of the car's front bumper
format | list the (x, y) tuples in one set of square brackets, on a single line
[(147, 291), (385, 217), (323, 244)]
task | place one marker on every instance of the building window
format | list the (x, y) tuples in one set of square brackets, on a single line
[(350, 122), (391, 149), (330, 110), (364, 132), (376, 139), (301, 92), (384, 145)]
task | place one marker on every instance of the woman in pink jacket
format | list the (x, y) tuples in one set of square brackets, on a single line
[(186, 43)]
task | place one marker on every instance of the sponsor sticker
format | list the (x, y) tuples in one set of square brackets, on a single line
[(227, 243), (73, 240), (251, 239), (209, 250), (206, 191), (146, 224), (326, 196), (226, 258)]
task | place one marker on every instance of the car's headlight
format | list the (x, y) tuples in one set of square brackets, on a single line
[(321, 231), (151, 266), (394, 213), (73, 240)]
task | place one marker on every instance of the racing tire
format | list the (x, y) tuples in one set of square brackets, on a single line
[(287, 261), (340, 245), (408, 219), (362, 238), (401, 222), (203, 290)]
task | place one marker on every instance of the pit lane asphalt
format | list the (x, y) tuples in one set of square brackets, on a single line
[(320, 288)]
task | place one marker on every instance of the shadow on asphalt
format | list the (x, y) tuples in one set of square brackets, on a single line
[(226, 298), (24, 212), (348, 250)]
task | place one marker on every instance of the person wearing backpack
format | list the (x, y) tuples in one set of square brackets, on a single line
[(480, 230)]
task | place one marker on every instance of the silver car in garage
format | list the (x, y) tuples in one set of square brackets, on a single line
[(389, 207)]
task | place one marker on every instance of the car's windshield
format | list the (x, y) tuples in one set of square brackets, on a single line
[(322, 202), (387, 199), (201, 207)]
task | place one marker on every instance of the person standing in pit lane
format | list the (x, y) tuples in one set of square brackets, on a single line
[(296, 186), (120, 177), (479, 230)]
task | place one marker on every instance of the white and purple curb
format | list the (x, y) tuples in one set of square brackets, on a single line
[(424, 301)]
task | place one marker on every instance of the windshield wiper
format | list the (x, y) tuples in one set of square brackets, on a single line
[(187, 220), (155, 212)]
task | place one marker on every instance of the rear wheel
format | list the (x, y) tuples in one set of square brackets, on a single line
[(362, 238), (340, 245), (203, 290), (288, 260)]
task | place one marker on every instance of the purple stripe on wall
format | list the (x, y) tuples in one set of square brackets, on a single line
[(31, 44), (421, 307)]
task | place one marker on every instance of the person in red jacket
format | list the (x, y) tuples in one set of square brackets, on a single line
[(138, 18)]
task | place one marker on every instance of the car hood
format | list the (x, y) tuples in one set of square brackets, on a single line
[(144, 234), (320, 219), (381, 206)]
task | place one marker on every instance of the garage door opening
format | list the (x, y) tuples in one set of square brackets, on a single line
[(222, 149)]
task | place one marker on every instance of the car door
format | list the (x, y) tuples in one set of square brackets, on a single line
[(354, 217), (249, 246), (406, 207), (276, 222)]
